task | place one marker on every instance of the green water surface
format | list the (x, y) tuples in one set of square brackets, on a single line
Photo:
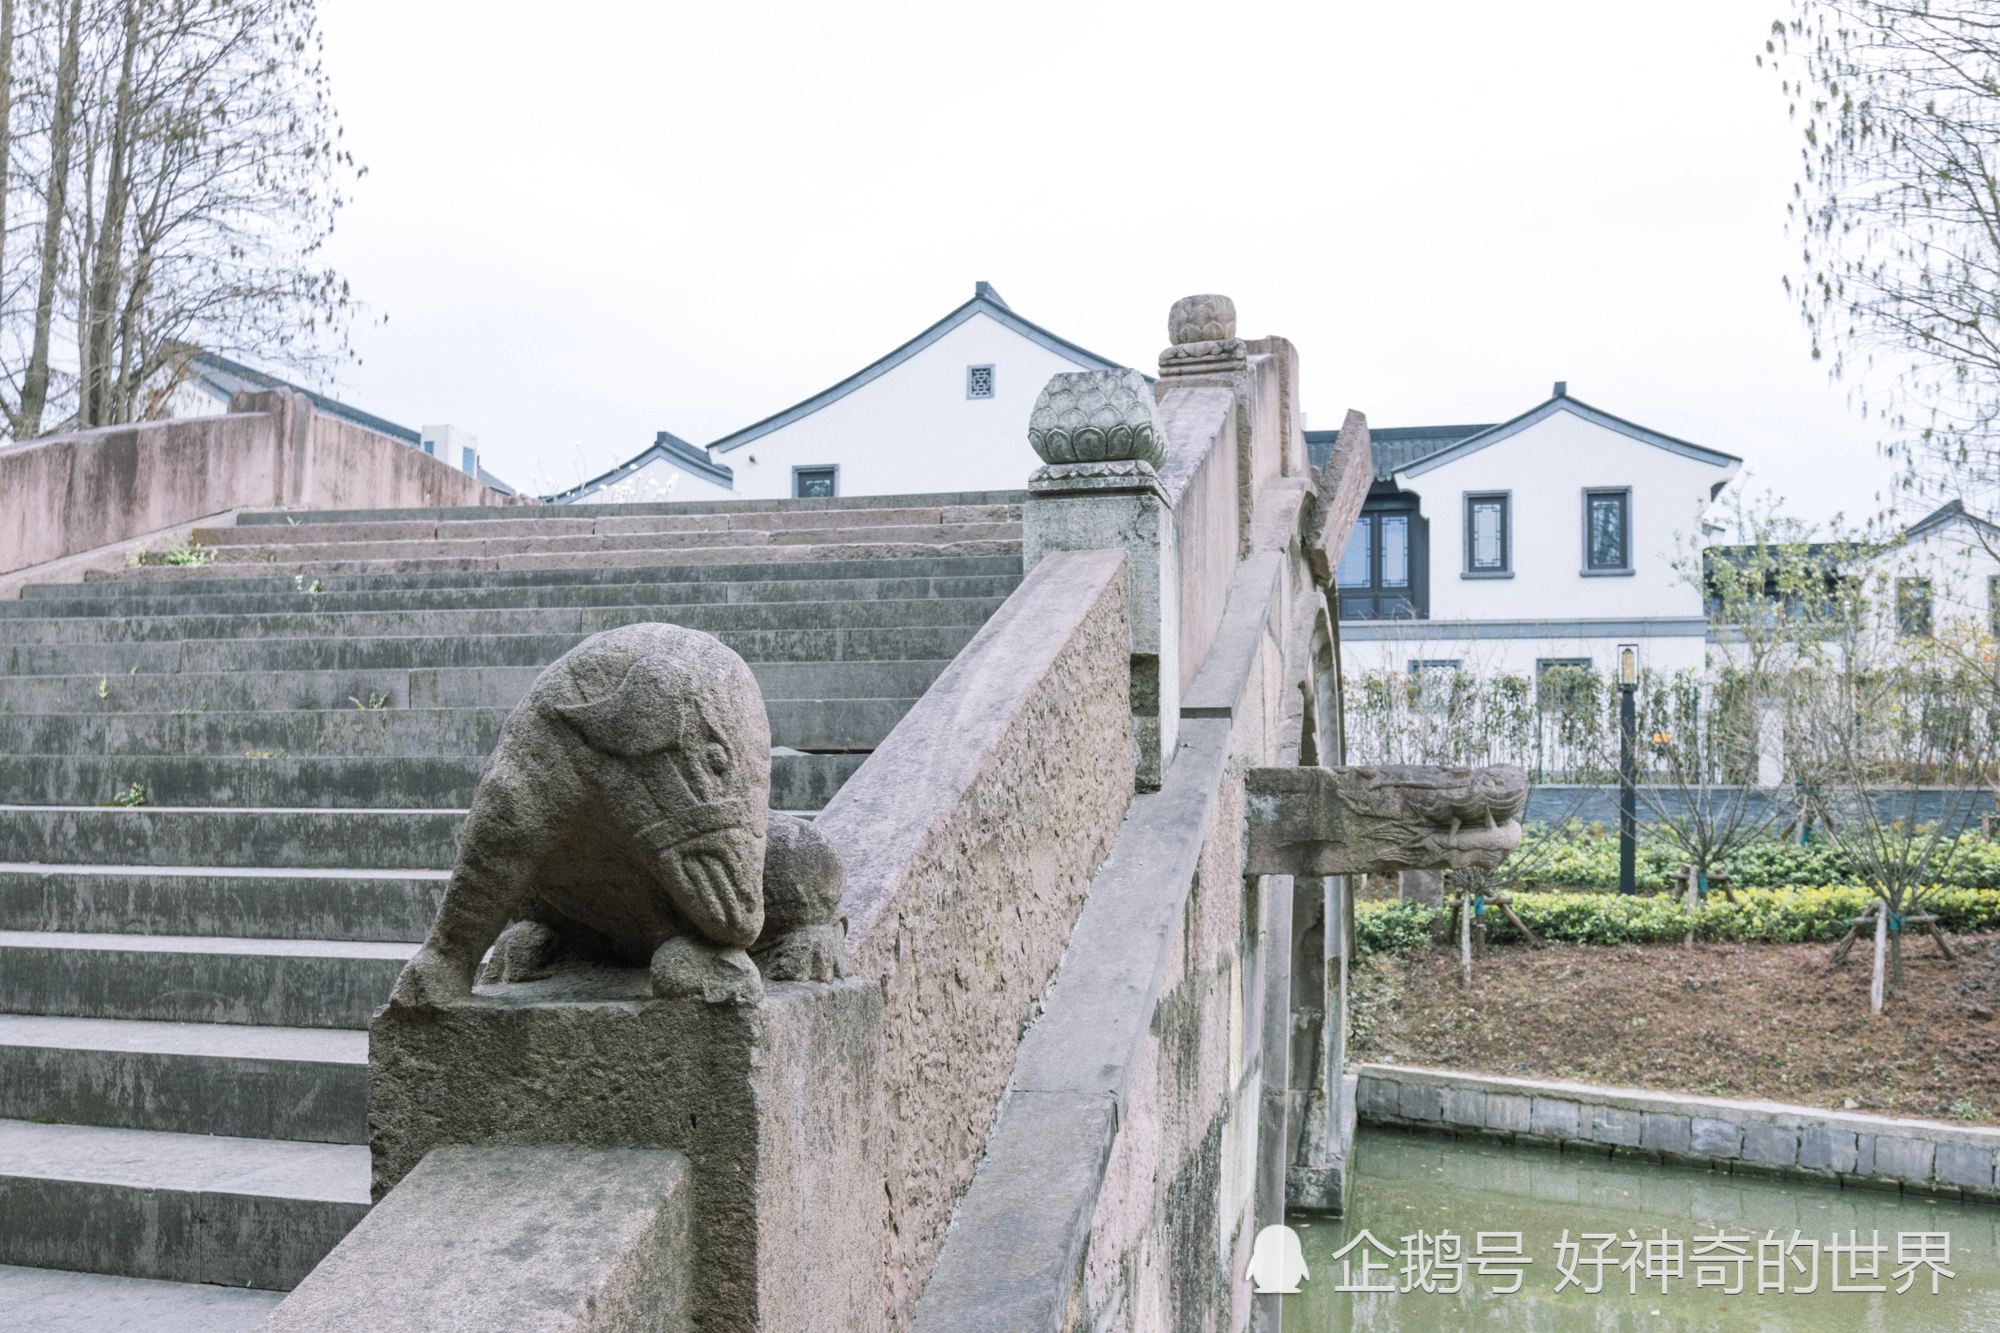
[(1410, 1184)]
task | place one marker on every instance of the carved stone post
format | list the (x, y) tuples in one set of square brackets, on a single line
[(1311, 821), (1101, 442)]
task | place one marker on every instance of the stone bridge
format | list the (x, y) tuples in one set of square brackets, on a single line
[(1088, 1040)]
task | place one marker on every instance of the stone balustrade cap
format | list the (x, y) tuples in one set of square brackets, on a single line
[(1097, 416)]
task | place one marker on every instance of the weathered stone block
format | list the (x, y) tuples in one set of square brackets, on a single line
[(1905, 1159), (1864, 1154), (1964, 1164), (1766, 1142), (774, 1106), (1609, 1124), (1553, 1117), (1716, 1138), (1420, 1101), (1823, 1148), (1507, 1113), (1465, 1106), (1665, 1132), (548, 1239), (1377, 1096)]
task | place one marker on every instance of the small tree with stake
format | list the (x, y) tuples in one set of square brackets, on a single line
[(1895, 732)]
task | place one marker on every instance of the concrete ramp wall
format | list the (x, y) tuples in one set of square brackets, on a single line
[(66, 494)]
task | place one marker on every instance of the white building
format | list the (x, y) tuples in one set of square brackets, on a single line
[(1942, 575), (946, 411), (1548, 539)]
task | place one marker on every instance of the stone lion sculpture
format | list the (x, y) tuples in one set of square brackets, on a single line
[(624, 818)]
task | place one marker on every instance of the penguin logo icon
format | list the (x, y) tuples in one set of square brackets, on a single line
[(1277, 1263)]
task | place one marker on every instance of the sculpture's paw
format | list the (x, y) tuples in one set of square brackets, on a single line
[(525, 951), (430, 979), (810, 953), (686, 966)]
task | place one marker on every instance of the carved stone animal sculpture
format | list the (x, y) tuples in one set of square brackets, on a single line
[(624, 818), (1352, 821)]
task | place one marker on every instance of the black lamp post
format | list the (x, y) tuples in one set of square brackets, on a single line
[(1628, 795)]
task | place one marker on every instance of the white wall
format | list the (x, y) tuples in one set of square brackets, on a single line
[(913, 430), (1518, 657), (657, 481), (1547, 467), (1958, 564)]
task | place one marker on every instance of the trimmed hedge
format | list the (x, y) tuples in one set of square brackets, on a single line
[(1770, 916), (1580, 858)]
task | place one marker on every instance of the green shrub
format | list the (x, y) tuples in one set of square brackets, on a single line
[(1767, 916), (1394, 926), (1580, 857)]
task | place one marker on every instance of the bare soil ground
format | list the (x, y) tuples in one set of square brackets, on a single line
[(1724, 1020)]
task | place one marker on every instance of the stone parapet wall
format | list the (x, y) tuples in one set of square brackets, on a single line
[(970, 836), (1200, 480), (1763, 1138), (72, 493)]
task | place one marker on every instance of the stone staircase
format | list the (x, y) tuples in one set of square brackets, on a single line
[(295, 729)]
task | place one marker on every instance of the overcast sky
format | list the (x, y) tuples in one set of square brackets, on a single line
[(585, 223)]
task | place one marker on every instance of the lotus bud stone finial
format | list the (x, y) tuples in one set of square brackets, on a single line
[(1097, 416), (1201, 319)]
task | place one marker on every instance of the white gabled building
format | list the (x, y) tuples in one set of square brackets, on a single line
[(946, 411), (1547, 539)]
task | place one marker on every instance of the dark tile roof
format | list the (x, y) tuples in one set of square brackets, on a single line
[(1394, 446)]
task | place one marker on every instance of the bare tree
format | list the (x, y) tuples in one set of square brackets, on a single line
[(1898, 207), (186, 158), (1896, 743)]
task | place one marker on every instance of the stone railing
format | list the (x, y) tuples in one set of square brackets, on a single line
[(68, 494), (970, 837), (1143, 1136)]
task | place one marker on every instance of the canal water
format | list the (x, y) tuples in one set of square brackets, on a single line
[(1634, 1248)]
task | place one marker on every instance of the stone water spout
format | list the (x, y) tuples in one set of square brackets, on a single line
[(1374, 821)]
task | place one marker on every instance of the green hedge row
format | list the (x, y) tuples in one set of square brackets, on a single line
[(1761, 915), (1580, 858)]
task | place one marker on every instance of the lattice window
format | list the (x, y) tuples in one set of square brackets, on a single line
[(979, 381)]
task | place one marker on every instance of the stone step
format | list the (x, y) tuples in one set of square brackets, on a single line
[(334, 782), (157, 581), (381, 732), (500, 537), (713, 618), (145, 600), (526, 650), (367, 782), (391, 906), (288, 838), (338, 526), (798, 558), (388, 691), (308, 1084), (198, 978), (234, 1212), (386, 733), (49, 1300), (831, 505)]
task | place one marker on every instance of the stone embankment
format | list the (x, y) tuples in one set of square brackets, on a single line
[(1762, 1138), (185, 983)]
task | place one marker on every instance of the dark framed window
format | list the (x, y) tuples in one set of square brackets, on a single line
[(1913, 608), (1993, 604), (1423, 665), (979, 381), (1489, 534), (1382, 572), (815, 483), (1607, 531)]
